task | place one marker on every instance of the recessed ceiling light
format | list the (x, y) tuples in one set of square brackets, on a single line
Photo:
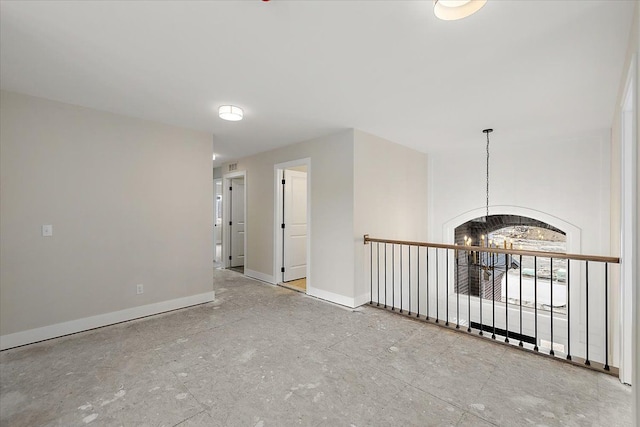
[(230, 112), (450, 10)]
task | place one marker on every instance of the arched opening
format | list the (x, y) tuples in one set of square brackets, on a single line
[(511, 279)]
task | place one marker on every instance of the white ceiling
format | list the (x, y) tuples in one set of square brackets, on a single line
[(301, 69)]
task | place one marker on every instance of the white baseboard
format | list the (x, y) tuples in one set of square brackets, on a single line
[(330, 296), (260, 276), (362, 299), (79, 325)]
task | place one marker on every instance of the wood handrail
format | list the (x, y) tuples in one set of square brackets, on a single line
[(554, 255)]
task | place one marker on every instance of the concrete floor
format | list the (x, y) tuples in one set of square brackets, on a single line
[(263, 355)]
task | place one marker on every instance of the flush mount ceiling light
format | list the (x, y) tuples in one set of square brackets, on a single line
[(230, 112), (450, 10)]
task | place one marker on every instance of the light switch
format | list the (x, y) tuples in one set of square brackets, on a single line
[(47, 230)]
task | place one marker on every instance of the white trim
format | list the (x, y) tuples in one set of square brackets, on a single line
[(260, 276), (331, 297), (573, 233), (225, 215), (73, 326), (628, 221), (277, 216), (362, 299)]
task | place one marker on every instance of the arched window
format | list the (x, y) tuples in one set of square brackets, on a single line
[(512, 278)]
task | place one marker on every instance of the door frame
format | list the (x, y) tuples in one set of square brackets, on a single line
[(628, 221), (226, 215), (217, 231), (278, 214)]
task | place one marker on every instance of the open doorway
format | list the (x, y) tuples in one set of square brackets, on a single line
[(292, 225), (234, 221)]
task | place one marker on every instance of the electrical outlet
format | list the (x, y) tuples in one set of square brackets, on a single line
[(139, 288), (47, 230)]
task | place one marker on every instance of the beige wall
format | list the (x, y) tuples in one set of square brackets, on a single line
[(331, 231), (390, 198), (130, 202)]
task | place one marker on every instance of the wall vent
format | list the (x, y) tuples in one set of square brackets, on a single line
[(233, 166)]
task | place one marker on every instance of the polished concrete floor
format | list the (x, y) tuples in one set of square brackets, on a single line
[(263, 355)]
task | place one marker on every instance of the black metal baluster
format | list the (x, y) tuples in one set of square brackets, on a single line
[(568, 286), (507, 263), (371, 275), (551, 305), (480, 289), (427, 272), (385, 275), (468, 254), (493, 294), (378, 274), (401, 278), (393, 277), (586, 263), (437, 290), (520, 343), (418, 295), (457, 291), (409, 273), (446, 252), (535, 300), (606, 316)]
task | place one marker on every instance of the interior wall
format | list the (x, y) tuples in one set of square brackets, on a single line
[(564, 178), (130, 201), (331, 228), (616, 170), (390, 198)]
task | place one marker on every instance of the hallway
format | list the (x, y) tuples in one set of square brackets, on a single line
[(262, 355)]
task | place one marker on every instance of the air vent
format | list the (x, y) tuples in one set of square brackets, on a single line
[(233, 166)]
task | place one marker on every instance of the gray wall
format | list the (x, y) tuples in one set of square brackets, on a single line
[(130, 202)]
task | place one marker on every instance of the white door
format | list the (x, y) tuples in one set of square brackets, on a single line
[(217, 219), (295, 221), (237, 222)]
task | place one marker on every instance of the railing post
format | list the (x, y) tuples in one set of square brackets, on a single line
[(587, 362), (468, 253), (535, 301), (520, 343), (551, 305), (493, 295), (480, 289), (401, 282), (507, 263), (457, 291), (568, 309), (385, 275), (606, 316), (437, 290), (409, 279), (446, 285), (393, 277), (418, 294)]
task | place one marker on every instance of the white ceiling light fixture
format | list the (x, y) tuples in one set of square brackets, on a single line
[(230, 112), (451, 10)]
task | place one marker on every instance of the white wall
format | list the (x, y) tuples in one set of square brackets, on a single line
[(130, 202), (390, 198), (563, 178), (331, 228)]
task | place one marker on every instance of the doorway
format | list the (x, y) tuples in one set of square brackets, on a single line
[(292, 225), (234, 221)]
